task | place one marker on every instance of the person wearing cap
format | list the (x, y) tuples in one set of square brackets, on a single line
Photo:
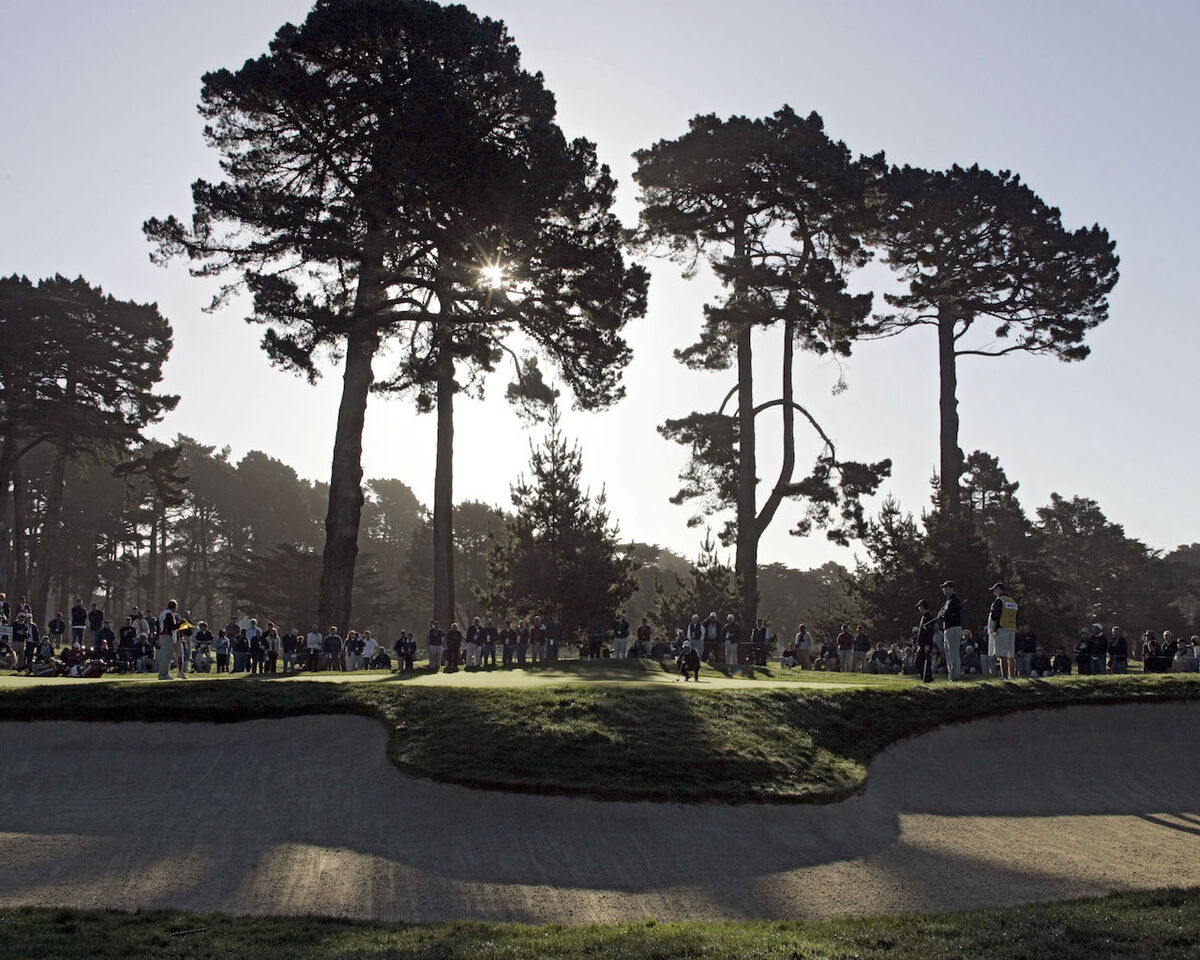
[(948, 638), (689, 661), (1002, 630), (731, 636)]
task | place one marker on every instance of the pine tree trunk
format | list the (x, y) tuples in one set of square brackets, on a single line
[(20, 510), (344, 512), (156, 602), (443, 485), (345, 485), (51, 540), (951, 455), (746, 553)]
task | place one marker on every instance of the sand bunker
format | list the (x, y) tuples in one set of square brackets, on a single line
[(308, 816)]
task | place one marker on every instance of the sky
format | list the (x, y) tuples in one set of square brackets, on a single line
[(1092, 102)]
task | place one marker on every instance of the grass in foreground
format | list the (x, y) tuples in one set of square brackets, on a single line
[(1163, 925), (639, 742)]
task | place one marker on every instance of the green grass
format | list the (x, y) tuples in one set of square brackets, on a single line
[(1163, 925), (640, 740)]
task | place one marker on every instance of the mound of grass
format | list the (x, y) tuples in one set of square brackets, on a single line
[(655, 742), (1163, 925)]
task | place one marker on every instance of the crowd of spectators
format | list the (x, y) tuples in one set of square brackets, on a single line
[(85, 643)]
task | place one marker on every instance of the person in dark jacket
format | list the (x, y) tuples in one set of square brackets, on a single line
[(1118, 652), (689, 661), (948, 638)]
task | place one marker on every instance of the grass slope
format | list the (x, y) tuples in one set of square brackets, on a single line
[(638, 741), (1163, 925)]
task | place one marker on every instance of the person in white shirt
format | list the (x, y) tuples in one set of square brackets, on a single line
[(170, 648)]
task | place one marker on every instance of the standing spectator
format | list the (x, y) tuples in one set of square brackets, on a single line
[(272, 643), (95, 620), (490, 636), (508, 640), (1098, 649), (289, 645), (1118, 652), (595, 640), (474, 642), (258, 652), (860, 650), (694, 635), (435, 640), (79, 619), (406, 651), (57, 628), (620, 632), (758, 640), (221, 646), (105, 636), (454, 639), (537, 641), (1002, 630), (522, 642), (644, 637), (331, 649), (554, 638), (353, 655), (26, 641), (948, 638), (712, 638), (369, 648), (241, 652), (312, 649), (845, 648), (803, 648), (923, 640), (731, 636)]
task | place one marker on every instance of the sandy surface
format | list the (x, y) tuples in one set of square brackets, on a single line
[(308, 816)]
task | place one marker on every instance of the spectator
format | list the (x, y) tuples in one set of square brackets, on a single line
[(537, 640), (731, 636), (758, 642), (474, 642), (1040, 664), (508, 643), (803, 648), (712, 638), (845, 648), (490, 637), (1118, 652), (435, 640), (331, 650), (645, 637), (860, 649), (620, 632), (1062, 663), (241, 652), (79, 619)]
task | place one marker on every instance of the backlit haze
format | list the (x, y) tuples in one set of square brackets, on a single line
[(1092, 103)]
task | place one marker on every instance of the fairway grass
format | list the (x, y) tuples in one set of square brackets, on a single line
[(602, 730), (1162, 925)]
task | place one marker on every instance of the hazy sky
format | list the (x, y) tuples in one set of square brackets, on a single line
[(1092, 103)]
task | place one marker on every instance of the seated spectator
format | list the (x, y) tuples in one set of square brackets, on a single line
[(971, 661), (828, 657), (787, 659), (1062, 663), (660, 650), (8, 656), (880, 660), (1153, 658), (1040, 664)]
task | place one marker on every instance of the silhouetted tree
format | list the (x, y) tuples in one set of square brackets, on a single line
[(79, 372), (559, 554), (778, 210), (977, 247), (392, 173)]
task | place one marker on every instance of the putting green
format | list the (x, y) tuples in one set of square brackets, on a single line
[(622, 673)]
